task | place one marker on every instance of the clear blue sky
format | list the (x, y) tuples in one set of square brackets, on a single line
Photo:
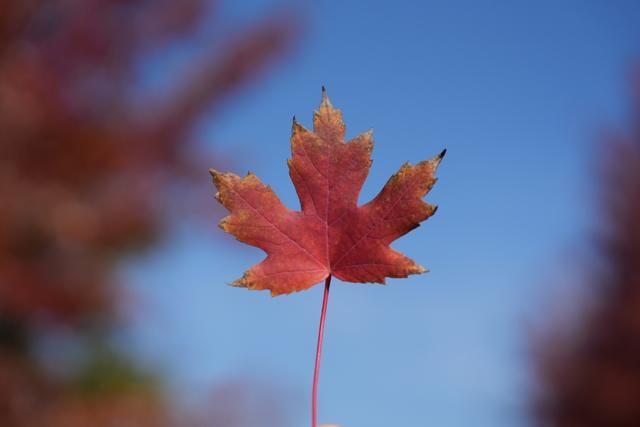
[(516, 91)]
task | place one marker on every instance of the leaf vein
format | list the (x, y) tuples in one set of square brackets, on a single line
[(277, 228)]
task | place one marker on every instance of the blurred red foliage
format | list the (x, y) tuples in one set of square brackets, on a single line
[(589, 369), (28, 399), (81, 166), (86, 158)]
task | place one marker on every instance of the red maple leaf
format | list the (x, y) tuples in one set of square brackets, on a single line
[(331, 235)]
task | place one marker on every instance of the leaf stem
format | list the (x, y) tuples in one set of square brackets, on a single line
[(316, 371)]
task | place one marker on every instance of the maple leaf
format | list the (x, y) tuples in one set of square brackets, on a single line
[(331, 235)]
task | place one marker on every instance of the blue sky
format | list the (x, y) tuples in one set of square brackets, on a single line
[(516, 91)]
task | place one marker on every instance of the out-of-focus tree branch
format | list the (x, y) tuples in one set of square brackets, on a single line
[(588, 367), (85, 157)]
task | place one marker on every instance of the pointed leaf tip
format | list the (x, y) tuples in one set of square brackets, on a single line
[(216, 177), (325, 99), (435, 161)]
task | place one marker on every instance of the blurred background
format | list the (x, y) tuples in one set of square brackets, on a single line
[(113, 304)]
